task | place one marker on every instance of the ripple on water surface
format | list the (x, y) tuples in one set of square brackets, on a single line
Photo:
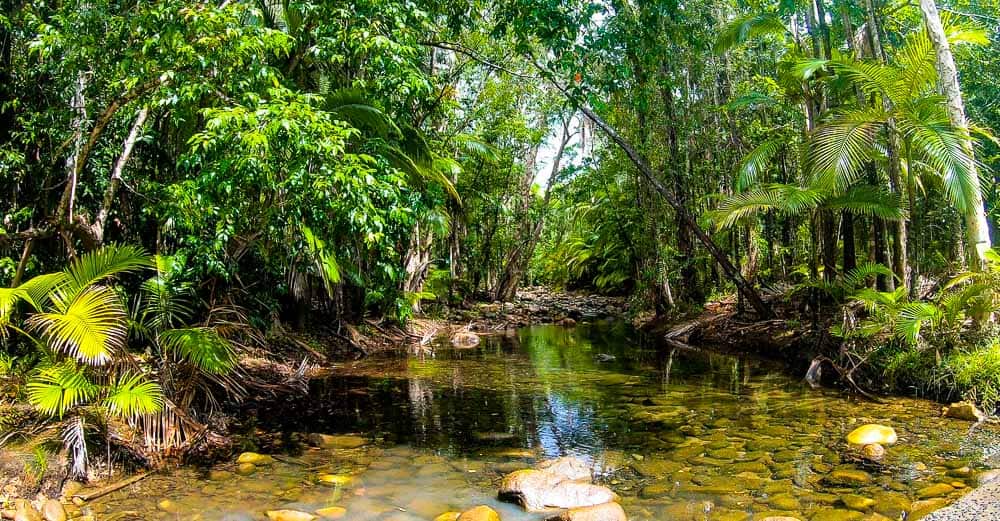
[(679, 435)]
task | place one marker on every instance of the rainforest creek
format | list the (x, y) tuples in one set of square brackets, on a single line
[(220, 218)]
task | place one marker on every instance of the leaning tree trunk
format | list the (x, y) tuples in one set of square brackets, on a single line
[(685, 216), (976, 229)]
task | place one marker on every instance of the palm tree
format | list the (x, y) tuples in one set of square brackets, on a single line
[(903, 107), (85, 377)]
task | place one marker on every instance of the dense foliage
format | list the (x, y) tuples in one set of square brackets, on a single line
[(288, 163)]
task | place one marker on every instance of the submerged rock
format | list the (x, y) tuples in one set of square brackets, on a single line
[(871, 434), (328, 441), (465, 339), (289, 515), (332, 512), (850, 478), (246, 469), (856, 502), (256, 459), (335, 480), (480, 513), (602, 512), (963, 411), (935, 490), (53, 510)]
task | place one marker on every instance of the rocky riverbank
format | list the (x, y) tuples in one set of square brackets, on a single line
[(538, 305)]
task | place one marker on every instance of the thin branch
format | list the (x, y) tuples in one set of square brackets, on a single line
[(475, 56)]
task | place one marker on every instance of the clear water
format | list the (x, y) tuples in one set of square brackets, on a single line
[(677, 434)]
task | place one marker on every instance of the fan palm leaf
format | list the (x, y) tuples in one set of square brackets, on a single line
[(56, 389), (753, 167), (914, 317), (133, 395), (868, 201), (90, 327), (941, 145), (788, 199), (747, 27), (97, 265), (202, 347), (837, 149)]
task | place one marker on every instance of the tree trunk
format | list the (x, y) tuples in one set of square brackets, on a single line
[(416, 261), (100, 221), (976, 229), (516, 263)]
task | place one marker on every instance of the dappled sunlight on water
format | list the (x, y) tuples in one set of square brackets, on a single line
[(678, 435)]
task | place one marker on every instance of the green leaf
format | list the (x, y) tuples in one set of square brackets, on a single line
[(57, 389), (202, 347), (89, 328), (134, 395)]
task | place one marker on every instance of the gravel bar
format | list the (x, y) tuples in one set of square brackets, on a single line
[(982, 504)]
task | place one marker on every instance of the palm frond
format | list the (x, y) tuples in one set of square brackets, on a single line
[(202, 347), (56, 389), (134, 395), (869, 201), (836, 150), (747, 27), (914, 317), (39, 288), (90, 328), (477, 148), (352, 106), (97, 265), (74, 438), (871, 77), (752, 168), (788, 199), (930, 133), (858, 276)]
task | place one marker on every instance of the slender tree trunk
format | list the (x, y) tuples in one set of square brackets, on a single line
[(976, 228), (100, 220), (516, 263)]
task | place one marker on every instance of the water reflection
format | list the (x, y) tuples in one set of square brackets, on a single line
[(674, 432)]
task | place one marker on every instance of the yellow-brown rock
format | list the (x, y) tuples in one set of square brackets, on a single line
[(289, 515), (480, 513), (602, 512), (872, 433), (332, 512)]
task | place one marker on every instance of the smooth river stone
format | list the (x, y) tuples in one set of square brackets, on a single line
[(289, 515), (480, 513), (846, 477), (935, 490), (837, 514), (603, 512), (856, 502)]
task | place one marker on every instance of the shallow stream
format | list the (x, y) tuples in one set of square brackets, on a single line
[(678, 435)]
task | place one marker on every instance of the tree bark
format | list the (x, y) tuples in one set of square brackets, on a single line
[(101, 219), (976, 228), (516, 263)]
